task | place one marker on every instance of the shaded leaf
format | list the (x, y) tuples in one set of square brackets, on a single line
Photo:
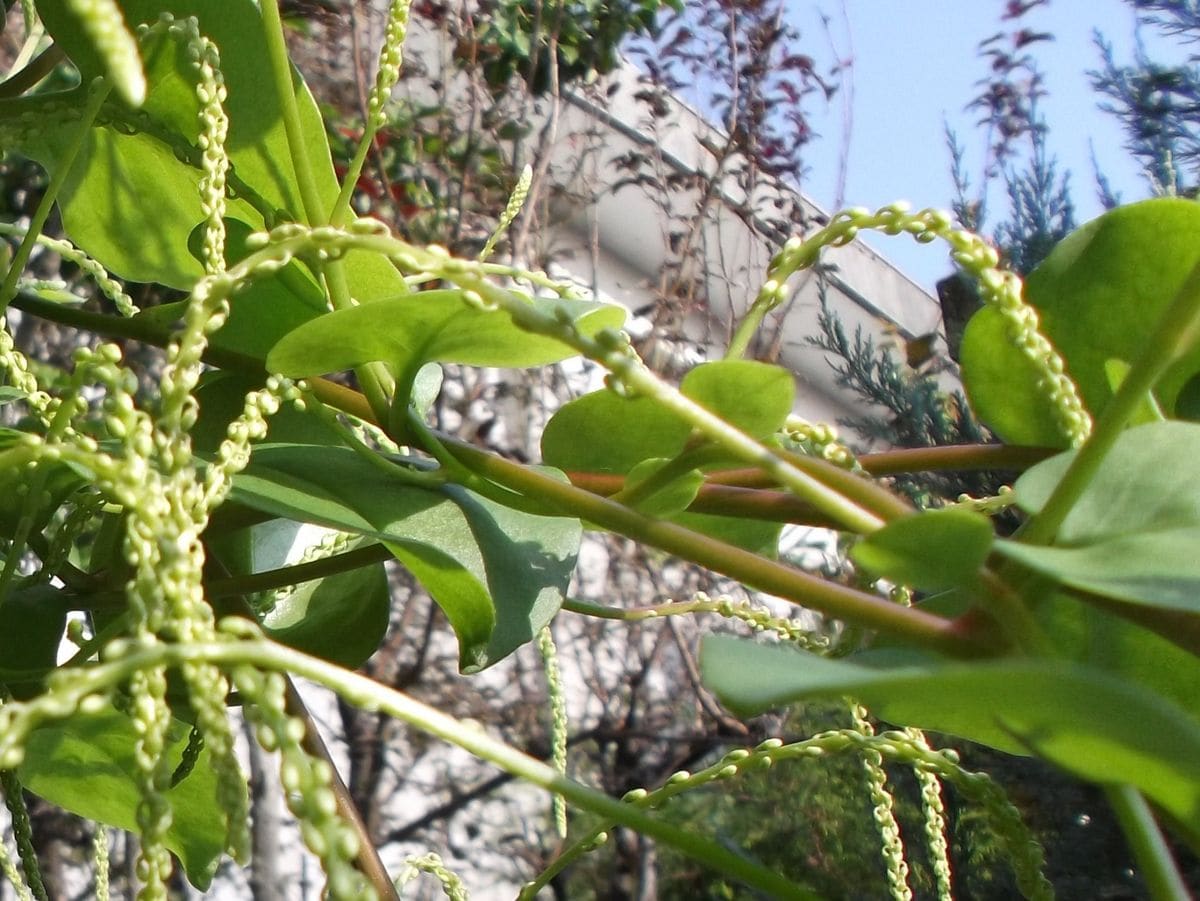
[(498, 574), (32, 622), (104, 201), (1098, 727), (934, 550), (1157, 568), (85, 764)]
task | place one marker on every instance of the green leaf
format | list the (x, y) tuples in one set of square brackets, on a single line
[(1099, 294), (755, 535), (85, 764), (127, 185), (754, 397), (498, 574), (32, 622), (605, 432), (1157, 568), (1148, 410), (1132, 534), (1148, 482), (433, 326), (1099, 638), (342, 617), (667, 500), (1003, 387), (934, 550), (1091, 724)]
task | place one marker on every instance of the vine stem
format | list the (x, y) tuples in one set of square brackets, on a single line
[(374, 378), (367, 858), (961, 639), (840, 601), (372, 696), (1155, 862)]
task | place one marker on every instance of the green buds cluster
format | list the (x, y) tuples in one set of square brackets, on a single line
[(214, 128), (104, 25), (391, 55), (513, 209), (306, 782), (998, 287), (884, 811), (432, 864)]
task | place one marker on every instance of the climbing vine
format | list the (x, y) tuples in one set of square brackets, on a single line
[(191, 155)]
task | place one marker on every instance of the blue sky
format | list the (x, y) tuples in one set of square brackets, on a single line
[(915, 67)]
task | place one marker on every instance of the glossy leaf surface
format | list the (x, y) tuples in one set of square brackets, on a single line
[(498, 574), (86, 765), (1099, 294)]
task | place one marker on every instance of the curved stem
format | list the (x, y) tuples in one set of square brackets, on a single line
[(958, 638), (370, 695), (863, 608), (1154, 859), (39, 68)]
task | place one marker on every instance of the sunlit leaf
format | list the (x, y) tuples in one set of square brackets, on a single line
[(104, 201), (1099, 294), (432, 326), (753, 397)]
